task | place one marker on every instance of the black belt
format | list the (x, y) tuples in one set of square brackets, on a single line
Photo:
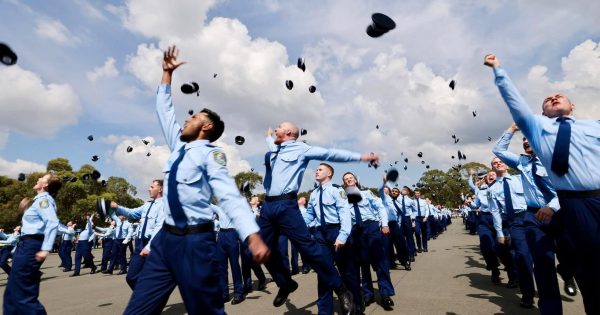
[(332, 225), (227, 230), (190, 229), (366, 222), (288, 196), (578, 194), (520, 214), (532, 209), (485, 213), (37, 237), (392, 221)]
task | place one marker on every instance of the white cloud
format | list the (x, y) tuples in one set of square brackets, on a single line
[(32, 107), (12, 169), (108, 70), (90, 10), (55, 31)]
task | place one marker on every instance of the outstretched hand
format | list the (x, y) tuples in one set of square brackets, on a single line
[(170, 62), (490, 60)]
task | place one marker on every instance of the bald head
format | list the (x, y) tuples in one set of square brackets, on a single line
[(286, 131)]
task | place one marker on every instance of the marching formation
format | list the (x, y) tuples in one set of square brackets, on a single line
[(203, 226)]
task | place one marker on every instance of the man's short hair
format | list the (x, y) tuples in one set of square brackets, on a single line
[(218, 124), (330, 168), (160, 182)]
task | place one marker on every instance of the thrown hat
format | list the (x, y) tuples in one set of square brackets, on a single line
[(129, 149), (95, 175), (7, 56), (381, 24), (190, 87), (452, 84), (103, 208), (95, 158), (392, 175), (21, 177), (303, 132), (353, 194), (239, 140), (90, 137), (301, 64), (312, 89), (289, 84)]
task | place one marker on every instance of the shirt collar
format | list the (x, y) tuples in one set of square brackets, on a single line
[(196, 143), (40, 195)]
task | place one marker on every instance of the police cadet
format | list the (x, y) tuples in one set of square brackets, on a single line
[(370, 221), (396, 237), (421, 213), (183, 252), (569, 149), (432, 220), (328, 209), (151, 216), (123, 234), (108, 237), (38, 231), (285, 164), (228, 253), (542, 202), (408, 222), (506, 196), (248, 264), (66, 245), (7, 246), (311, 229), (82, 250)]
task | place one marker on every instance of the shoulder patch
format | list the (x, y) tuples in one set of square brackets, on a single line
[(343, 193), (220, 158), (44, 203)]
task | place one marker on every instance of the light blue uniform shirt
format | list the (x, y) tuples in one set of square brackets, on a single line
[(224, 221), (482, 201), (422, 204), (290, 159), (87, 232), (201, 173), (12, 239), (496, 198), (533, 195), (40, 218), (371, 208), (107, 232), (388, 203), (126, 232), (312, 223), (67, 233), (584, 151), (154, 211), (409, 204), (335, 209)]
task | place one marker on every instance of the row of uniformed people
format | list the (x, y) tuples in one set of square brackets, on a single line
[(7, 247)]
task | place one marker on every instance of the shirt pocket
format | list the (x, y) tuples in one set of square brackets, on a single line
[(189, 176), (592, 135), (289, 158)]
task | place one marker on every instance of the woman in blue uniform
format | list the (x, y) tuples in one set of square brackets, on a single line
[(38, 232)]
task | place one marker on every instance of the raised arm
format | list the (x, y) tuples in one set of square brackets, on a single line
[(164, 102), (501, 148), (134, 214), (337, 155)]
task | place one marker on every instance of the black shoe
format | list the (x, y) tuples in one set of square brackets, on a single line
[(512, 284), (387, 303), (107, 272), (247, 290), (419, 250), (346, 301), (412, 259), (75, 275), (261, 285), (122, 272), (425, 250), (295, 272), (66, 270), (227, 299), (237, 300), (570, 287), (93, 271), (496, 276), (369, 301), (284, 292), (407, 266), (526, 303), (305, 270)]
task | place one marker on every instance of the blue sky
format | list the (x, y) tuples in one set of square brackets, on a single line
[(91, 67)]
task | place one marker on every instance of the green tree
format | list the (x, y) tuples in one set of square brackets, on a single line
[(58, 165), (251, 179)]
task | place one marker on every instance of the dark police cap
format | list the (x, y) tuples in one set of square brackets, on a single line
[(145, 142), (103, 208), (303, 132), (392, 175), (353, 194), (90, 137), (381, 25), (95, 175), (190, 87), (289, 84), (452, 84), (239, 140), (405, 160), (21, 177), (312, 89), (191, 112), (86, 176), (420, 154), (301, 64), (148, 154), (129, 149), (95, 158), (7, 56)]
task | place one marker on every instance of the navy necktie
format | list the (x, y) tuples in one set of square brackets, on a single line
[(323, 223), (548, 195), (403, 207), (418, 207), (357, 215), (173, 195), (508, 205), (143, 234), (560, 156), (398, 212), (269, 168), (120, 230)]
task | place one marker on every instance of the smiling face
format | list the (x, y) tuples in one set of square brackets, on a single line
[(490, 177), (527, 147), (557, 105), (498, 166), (349, 180)]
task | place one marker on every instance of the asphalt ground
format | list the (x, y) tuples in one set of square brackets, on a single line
[(449, 279)]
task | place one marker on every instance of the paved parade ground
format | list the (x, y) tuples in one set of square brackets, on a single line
[(449, 279)]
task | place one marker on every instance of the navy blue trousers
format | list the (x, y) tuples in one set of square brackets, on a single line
[(581, 221), (82, 251), (346, 264), (229, 254), (23, 288), (396, 240), (248, 265), (66, 247), (284, 217), (118, 252), (136, 264), (285, 250), (534, 256), (488, 240), (368, 247), (107, 245), (187, 261), (4, 255), (421, 233), (408, 231)]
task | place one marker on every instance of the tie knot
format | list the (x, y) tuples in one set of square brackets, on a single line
[(562, 118)]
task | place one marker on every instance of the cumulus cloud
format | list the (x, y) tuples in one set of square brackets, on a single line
[(33, 107), (55, 31), (108, 70), (12, 169)]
